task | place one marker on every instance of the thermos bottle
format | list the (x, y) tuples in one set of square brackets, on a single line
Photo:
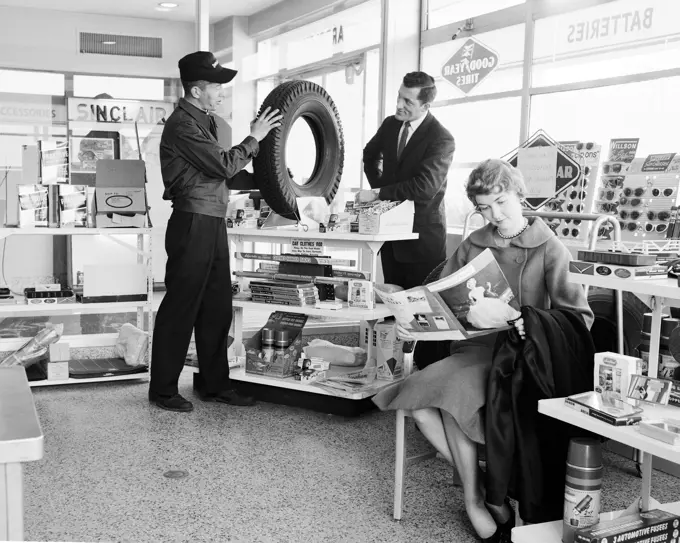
[(582, 486)]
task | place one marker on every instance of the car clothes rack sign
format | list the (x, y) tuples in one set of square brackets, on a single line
[(547, 167)]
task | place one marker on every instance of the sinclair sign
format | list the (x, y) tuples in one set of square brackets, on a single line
[(470, 65), (548, 169)]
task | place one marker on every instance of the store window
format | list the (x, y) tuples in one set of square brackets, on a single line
[(485, 129), (506, 47), (612, 39), (443, 12), (600, 114), (132, 88)]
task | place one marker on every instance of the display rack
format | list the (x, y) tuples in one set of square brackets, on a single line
[(662, 293), (370, 243), (143, 252)]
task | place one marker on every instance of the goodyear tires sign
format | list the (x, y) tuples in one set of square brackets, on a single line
[(470, 65)]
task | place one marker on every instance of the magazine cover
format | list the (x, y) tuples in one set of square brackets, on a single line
[(87, 151), (452, 307), (54, 162)]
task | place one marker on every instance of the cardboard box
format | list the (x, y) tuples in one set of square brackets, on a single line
[(33, 206), (389, 351), (57, 367), (280, 366), (398, 220), (622, 272), (120, 195), (360, 294), (73, 205), (637, 527), (613, 373)]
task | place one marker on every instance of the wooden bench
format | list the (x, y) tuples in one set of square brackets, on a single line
[(21, 440)]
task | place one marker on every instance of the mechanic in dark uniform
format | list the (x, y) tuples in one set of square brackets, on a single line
[(197, 173)]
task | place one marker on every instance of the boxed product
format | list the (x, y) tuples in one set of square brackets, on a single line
[(285, 328), (389, 351), (73, 205), (33, 209), (658, 271), (120, 195), (613, 373), (360, 294), (392, 219), (654, 525)]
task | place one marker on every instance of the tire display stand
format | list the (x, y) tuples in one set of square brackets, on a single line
[(142, 308), (663, 293), (288, 391)]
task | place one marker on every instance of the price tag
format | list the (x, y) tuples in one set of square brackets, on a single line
[(539, 166), (309, 247)]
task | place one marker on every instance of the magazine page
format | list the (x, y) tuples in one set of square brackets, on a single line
[(427, 316), (475, 291)]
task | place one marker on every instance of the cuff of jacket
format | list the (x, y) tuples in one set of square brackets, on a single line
[(386, 193), (252, 145)]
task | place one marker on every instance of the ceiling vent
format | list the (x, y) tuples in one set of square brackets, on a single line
[(122, 46)]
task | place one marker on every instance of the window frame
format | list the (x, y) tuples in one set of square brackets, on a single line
[(527, 13)]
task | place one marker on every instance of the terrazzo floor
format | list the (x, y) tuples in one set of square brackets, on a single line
[(262, 474)]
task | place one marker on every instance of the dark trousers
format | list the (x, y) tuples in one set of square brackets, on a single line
[(198, 297), (404, 274)]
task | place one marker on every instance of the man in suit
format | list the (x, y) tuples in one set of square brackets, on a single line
[(408, 159)]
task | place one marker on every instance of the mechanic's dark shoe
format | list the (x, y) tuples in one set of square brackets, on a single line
[(229, 396), (172, 403)]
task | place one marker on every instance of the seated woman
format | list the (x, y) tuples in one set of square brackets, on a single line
[(447, 398)]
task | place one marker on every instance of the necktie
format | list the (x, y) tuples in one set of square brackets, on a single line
[(403, 138)]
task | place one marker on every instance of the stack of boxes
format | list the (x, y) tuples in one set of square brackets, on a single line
[(57, 367)]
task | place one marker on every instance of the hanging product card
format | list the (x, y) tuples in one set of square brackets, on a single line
[(54, 162), (623, 149), (657, 163), (538, 165), (309, 247)]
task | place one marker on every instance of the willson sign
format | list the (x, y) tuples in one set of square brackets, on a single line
[(470, 65)]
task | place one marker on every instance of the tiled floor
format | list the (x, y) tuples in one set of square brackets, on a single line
[(261, 474)]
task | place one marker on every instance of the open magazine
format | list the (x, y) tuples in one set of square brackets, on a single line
[(442, 310)]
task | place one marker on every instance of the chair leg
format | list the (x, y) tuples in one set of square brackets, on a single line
[(400, 464)]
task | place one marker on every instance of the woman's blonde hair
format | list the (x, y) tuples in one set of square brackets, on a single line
[(494, 175)]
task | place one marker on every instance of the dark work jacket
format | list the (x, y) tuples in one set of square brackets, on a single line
[(197, 170), (419, 175), (526, 452)]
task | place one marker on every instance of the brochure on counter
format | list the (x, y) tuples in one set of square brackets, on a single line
[(449, 308)]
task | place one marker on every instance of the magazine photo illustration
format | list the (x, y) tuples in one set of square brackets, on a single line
[(458, 306)]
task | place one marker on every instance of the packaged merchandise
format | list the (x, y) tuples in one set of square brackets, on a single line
[(648, 526), (613, 373)]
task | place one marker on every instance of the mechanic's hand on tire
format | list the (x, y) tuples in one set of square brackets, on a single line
[(261, 126)]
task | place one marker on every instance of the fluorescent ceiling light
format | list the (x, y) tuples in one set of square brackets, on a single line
[(168, 5), (109, 42)]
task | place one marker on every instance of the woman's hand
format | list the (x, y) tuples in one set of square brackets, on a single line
[(404, 334), (519, 326)]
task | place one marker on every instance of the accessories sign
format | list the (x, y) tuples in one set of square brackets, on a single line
[(470, 65)]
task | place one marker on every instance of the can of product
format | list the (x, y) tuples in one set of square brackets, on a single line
[(281, 342), (582, 487), (267, 344), (667, 362)]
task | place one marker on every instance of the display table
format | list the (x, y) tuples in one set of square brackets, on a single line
[(21, 440), (287, 391)]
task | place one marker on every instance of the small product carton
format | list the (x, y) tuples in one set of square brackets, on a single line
[(398, 220), (389, 351), (120, 195), (57, 367), (648, 526), (613, 373), (360, 294), (279, 366)]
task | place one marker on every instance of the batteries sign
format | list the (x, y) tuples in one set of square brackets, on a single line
[(545, 187), (470, 65)]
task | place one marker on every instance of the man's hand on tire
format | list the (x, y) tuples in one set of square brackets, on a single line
[(261, 126)]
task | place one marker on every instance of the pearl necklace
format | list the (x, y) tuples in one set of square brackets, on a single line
[(526, 225)]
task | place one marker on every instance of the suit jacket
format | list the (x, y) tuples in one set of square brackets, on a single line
[(526, 452), (418, 175)]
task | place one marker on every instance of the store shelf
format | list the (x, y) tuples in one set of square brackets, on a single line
[(8, 344), (133, 376), (77, 308), (551, 532), (665, 287), (239, 374), (629, 435), (348, 313), (4, 232), (282, 235)]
